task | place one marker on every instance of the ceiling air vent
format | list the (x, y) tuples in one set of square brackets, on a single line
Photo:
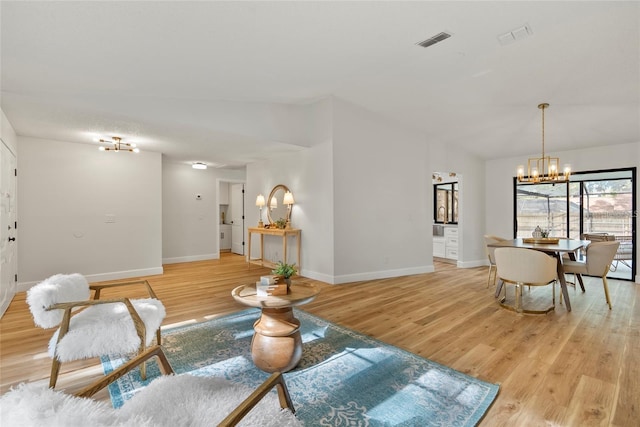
[(435, 39)]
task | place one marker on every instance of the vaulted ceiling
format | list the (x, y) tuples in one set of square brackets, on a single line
[(215, 81)]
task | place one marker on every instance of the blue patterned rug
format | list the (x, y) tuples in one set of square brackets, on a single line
[(343, 379)]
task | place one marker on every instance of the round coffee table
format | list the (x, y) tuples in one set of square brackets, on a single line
[(276, 343)]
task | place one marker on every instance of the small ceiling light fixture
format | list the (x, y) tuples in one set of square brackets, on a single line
[(117, 145), (199, 165), (544, 168)]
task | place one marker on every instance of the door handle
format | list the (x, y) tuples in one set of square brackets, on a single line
[(11, 239)]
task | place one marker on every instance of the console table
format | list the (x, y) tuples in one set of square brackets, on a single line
[(278, 232)]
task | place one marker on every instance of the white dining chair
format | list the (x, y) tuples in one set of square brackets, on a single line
[(529, 267), (490, 251), (599, 256)]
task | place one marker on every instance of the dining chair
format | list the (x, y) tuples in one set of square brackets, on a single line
[(490, 251), (529, 267), (93, 327), (598, 259)]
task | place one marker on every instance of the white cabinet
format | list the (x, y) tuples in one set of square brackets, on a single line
[(446, 246), (224, 193), (451, 242), (225, 237), (438, 247)]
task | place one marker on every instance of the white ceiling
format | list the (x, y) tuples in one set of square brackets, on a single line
[(194, 80)]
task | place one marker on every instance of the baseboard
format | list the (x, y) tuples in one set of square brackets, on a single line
[(384, 274), (471, 264), (204, 257), (102, 277), (4, 306), (326, 278)]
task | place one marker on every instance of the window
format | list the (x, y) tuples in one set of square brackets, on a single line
[(445, 203), (591, 202)]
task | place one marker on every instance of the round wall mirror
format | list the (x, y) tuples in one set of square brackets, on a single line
[(276, 209)]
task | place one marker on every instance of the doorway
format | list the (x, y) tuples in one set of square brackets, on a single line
[(236, 198), (445, 219), (8, 225), (231, 222)]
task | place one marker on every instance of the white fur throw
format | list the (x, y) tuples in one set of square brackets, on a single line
[(107, 329), (182, 400), (56, 289)]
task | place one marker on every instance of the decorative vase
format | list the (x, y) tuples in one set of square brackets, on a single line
[(288, 282), (537, 233)]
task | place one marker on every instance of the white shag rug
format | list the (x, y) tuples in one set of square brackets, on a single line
[(180, 400)]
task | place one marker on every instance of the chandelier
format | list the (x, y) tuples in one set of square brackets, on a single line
[(117, 145), (544, 168)]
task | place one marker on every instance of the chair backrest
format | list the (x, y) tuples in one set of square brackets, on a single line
[(525, 265), (598, 237), (489, 239), (56, 289), (599, 257)]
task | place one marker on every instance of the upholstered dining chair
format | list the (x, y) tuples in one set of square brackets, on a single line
[(93, 327), (489, 239), (599, 256), (521, 267)]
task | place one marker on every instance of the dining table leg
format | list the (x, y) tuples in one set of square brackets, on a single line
[(563, 282), (499, 287), (572, 257)]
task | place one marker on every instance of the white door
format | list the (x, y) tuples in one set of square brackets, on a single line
[(236, 194), (8, 248)]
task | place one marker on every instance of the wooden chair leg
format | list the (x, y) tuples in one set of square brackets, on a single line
[(55, 370), (606, 289), (489, 278), (158, 337), (143, 365)]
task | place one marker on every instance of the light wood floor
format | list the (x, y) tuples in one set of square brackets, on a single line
[(561, 369)]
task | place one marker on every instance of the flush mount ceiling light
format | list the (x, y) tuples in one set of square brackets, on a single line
[(116, 144), (199, 165), (544, 168)]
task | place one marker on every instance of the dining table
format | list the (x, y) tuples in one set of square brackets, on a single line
[(553, 246)]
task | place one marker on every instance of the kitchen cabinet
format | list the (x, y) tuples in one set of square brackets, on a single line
[(224, 193), (225, 237)]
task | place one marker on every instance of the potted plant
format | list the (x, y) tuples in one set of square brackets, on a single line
[(286, 271)]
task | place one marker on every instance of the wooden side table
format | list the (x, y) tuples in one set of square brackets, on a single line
[(283, 233), (276, 343)]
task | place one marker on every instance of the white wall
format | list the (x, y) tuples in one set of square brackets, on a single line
[(8, 134), (65, 192), (308, 175), (500, 173), (190, 227), (382, 207)]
